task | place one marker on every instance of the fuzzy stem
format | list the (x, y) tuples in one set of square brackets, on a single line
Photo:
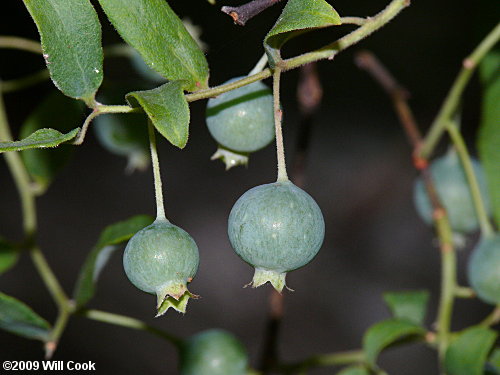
[(23, 185), (160, 208), (463, 153), (493, 318), (278, 116), (261, 64), (25, 82), (452, 100), (23, 44), (126, 321)]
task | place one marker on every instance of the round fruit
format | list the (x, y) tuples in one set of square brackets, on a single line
[(276, 228), (453, 191), (484, 269), (242, 120), (213, 352), (161, 259)]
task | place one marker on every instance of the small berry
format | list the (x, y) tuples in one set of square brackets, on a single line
[(213, 352), (276, 228), (453, 191), (161, 259), (241, 121), (484, 270)]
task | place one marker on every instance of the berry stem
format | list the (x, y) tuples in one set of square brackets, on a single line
[(278, 115), (160, 208), (261, 64), (463, 153)]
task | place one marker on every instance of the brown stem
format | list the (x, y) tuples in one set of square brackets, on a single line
[(243, 13), (369, 62), (309, 95)]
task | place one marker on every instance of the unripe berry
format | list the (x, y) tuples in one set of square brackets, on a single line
[(161, 259), (484, 269), (453, 191), (276, 228), (213, 352), (241, 121)]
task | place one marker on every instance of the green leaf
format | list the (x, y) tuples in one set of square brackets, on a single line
[(467, 354), (409, 305), (71, 41), (354, 370), (155, 31), (298, 16), (9, 255), (63, 113), (168, 110), (387, 332), (18, 318), (489, 131), (42, 138), (494, 362), (112, 235)]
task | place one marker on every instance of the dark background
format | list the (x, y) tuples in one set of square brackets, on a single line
[(359, 170)]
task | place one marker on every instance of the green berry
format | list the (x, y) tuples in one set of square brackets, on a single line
[(213, 352), (453, 191), (484, 270), (161, 259), (276, 228), (242, 120)]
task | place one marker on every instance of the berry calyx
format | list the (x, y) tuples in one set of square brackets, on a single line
[(484, 269), (161, 259), (276, 228), (213, 352)]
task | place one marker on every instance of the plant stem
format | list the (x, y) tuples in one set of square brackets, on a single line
[(463, 153), (278, 116), (261, 64), (493, 318), (323, 360), (126, 321), (327, 52), (452, 100), (23, 44), (160, 208), (25, 82), (353, 20), (23, 185)]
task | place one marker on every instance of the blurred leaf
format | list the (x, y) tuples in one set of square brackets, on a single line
[(387, 332), (63, 113), (489, 131), (153, 29), (9, 255), (42, 138), (168, 110), (18, 318), (71, 41), (111, 236), (493, 364), (467, 353), (298, 17), (408, 305), (354, 370)]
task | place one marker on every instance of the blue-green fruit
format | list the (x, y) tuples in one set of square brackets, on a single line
[(241, 121), (453, 191), (213, 352), (484, 270), (161, 259), (276, 228)]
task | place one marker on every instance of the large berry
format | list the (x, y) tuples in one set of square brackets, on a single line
[(453, 191), (161, 259), (276, 228), (484, 269), (213, 352), (241, 120)]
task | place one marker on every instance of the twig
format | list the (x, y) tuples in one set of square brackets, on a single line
[(23, 44), (245, 12), (25, 82), (399, 96)]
